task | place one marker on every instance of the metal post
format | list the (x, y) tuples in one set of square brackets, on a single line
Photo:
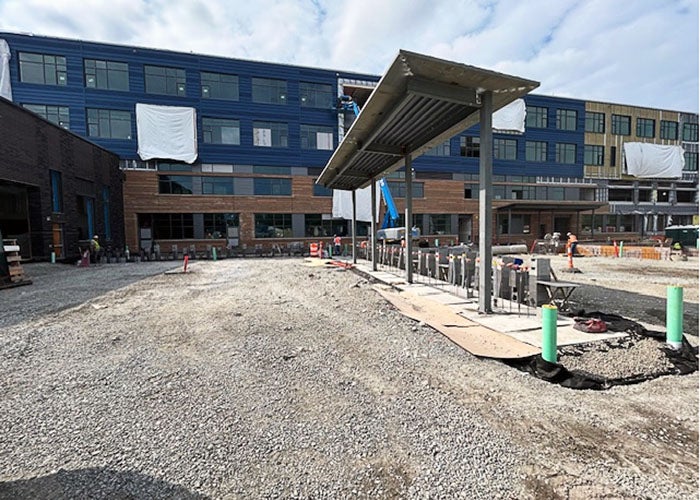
[(409, 218), (373, 226), (485, 201), (354, 228)]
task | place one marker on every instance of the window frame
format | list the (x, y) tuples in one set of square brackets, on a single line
[(279, 134), (283, 220), (59, 72), (536, 117), (216, 86), (668, 129), (562, 150), (308, 136), (566, 119), (112, 120), (620, 124), (269, 91), (104, 73), (505, 149), (178, 80), (646, 128), (595, 122), (311, 95), (591, 152), (51, 113), (690, 132), (212, 128), (272, 186), (537, 150)]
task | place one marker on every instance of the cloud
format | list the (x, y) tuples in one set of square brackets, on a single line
[(643, 52)]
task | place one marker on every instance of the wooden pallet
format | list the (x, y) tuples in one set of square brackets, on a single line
[(14, 261)]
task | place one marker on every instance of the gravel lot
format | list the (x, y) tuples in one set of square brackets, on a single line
[(264, 378)]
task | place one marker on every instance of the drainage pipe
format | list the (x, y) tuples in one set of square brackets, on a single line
[(549, 333), (674, 316)]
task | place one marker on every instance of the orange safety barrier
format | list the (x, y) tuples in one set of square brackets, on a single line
[(313, 250)]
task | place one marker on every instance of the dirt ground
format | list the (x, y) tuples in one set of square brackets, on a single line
[(265, 378)]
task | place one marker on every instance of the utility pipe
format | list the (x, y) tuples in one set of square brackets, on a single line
[(674, 316), (549, 333)]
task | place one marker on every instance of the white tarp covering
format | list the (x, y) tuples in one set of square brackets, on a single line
[(510, 117), (342, 203), (166, 132), (654, 160), (5, 89)]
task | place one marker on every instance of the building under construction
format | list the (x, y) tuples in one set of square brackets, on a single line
[(226, 152)]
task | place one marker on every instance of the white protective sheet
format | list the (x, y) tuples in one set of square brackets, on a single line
[(5, 89), (166, 132), (510, 117), (653, 160), (342, 204)]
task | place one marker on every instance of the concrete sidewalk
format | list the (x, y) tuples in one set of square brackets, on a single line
[(516, 321)]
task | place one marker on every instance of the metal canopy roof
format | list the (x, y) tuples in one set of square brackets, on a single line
[(550, 206), (420, 102)]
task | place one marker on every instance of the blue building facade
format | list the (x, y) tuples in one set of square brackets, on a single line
[(265, 130)]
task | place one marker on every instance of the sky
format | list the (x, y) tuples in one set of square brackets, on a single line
[(637, 52)]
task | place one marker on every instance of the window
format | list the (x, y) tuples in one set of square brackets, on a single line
[(621, 125), (168, 81), (108, 75), (106, 210), (505, 149), (219, 86), (645, 127), (469, 146), (60, 115), (669, 130), (272, 186), (565, 153), (519, 223), (315, 95), (536, 117), (595, 122), (620, 194), (613, 156), (566, 119), (439, 224), (173, 226), (316, 137), (322, 190), (690, 132), (109, 123), (173, 167), (398, 189), (535, 151), (593, 155), (56, 191), (216, 225), (270, 134), (270, 170), (221, 131), (440, 150), (268, 91), (273, 225), (471, 191), (691, 162), (42, 68), (174, 184), (217, 185), (316, 225)]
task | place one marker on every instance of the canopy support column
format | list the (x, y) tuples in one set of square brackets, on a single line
[(354, 226), (485, 202), (373, 226), (408, 238)]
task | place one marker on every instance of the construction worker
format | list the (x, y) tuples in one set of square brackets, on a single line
[(95, 248), (573, 241), (336, 244)]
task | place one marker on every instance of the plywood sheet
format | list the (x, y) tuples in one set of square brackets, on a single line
[(472, 337)]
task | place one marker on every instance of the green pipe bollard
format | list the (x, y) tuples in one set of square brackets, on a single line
[(674, 316), (53, 257), (549, 333), (213, 253), (622, 246)]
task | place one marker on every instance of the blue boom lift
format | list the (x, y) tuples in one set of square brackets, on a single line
[(389, 230)]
